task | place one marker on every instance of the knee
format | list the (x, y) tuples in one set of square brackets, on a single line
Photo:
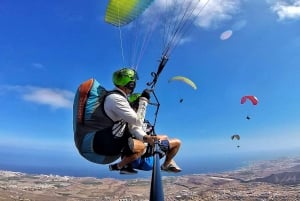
[(175, 143), (162, 137), (139, 146)]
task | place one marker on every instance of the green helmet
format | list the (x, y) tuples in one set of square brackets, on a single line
[(133, 100), (133, 97), (124, 76)]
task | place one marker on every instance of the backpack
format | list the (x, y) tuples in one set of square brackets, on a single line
[(90, 94)]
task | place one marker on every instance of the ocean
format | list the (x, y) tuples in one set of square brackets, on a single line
[(71, 164)]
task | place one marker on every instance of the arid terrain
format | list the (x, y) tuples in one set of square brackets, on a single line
[(262, 181)]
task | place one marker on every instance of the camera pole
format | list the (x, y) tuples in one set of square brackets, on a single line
[(156, 191)]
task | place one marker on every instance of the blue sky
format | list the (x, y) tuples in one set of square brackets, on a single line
[(48, 48)]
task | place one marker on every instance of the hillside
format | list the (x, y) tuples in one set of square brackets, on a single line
[(267, 180)]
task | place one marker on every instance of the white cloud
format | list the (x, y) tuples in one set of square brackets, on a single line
[(238, 25), (177, 16), (286, 10), (216, 12), (56, 98), (207, 13)]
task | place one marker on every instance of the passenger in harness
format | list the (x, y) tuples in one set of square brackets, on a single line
[(169, 147)]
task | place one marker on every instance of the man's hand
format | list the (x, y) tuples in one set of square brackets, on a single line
[(146, 94), (150, 139)]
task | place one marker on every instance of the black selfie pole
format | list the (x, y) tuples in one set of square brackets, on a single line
[(156, 191)]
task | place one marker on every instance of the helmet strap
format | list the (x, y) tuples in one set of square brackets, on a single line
[(130, 86)]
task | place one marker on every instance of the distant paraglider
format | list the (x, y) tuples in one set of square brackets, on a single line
[(184, 80), (237, 137), (252, 99)]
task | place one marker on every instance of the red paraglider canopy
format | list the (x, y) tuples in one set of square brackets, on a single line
[(253, 99)]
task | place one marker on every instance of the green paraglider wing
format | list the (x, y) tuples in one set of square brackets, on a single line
[(185, 80), (122, 12)]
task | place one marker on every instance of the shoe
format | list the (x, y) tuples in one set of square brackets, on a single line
[(114, 167), (128, 170), (172, 167)]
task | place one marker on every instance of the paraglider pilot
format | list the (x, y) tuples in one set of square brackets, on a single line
[(105, 139)]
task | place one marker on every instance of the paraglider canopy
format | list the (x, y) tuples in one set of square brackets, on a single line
[(138, 21), (122, 12), (185, 80), (251, 98), (235, 137)]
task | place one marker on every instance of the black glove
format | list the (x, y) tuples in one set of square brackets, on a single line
[(146, 94)]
